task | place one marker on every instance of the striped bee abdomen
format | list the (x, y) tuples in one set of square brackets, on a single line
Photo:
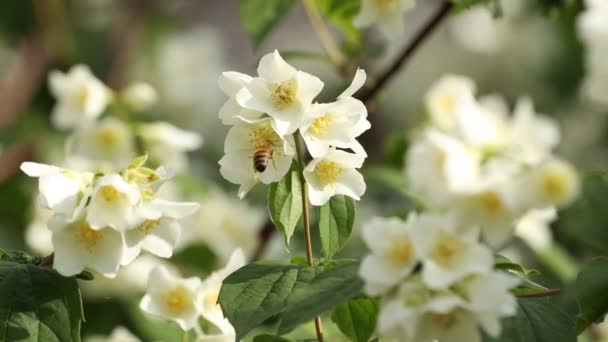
[(261, 157)]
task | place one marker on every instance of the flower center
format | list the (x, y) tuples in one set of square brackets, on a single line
[(490, 202), (82, 95), (87, 236), (108, 139), (109, 193), (445, 321), (401, 252), (385, 4), (447, 103), (320, 125), (148, 226), (283, 94), (328, 171), (446, 249), (177, 301), (554, 184), (264, 134)]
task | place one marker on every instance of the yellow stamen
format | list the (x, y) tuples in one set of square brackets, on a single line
[(320, 125), (148, 226), (328, 171), (554, 184), (87, 236), (490, 202), (445, 321), (401, 252), (177, 300), (447, 103), (82, 96), (447, 249), (283, 94), (109, 193)]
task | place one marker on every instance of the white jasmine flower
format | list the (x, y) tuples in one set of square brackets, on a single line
[(229, 224), (446, 98), (208, 295), (387, 14), (552, 183), (168, 144), (593, 30), (112, 203), (171, 297), (392, 253), (37, 234), (81, 97), (108, 145), (231, 83), (157, 229), (243, 142), (439, 166), (280, 91), (334, 174), (119, 334), (78, 246), (337, 124), (448, 254), (139, 96), (60, 189), (534, 229)]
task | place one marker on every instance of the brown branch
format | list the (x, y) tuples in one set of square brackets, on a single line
[(541, 293), (441, 13), (47, 260), (327, 40)]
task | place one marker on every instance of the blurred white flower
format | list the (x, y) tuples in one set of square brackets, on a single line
[(448, 253), (533, 228), (387, 14), (81, 97), (392, 253), (334, 173), (228, 224), (338, 123), (78, 246), (168, 144), (119, 334), (243, 143), (280, 91), (593, 30), (207, 299), (554, 182), (108, 145), (231, 83), (173, 298), (139, 96), (37, 234), (112, 203), (157, 229), (60, 189)]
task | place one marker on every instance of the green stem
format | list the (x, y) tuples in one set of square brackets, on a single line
[(306, 217)]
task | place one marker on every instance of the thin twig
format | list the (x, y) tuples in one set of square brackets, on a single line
[(327, 40), (306, 216), (48, 260), (541, 293), (408, 51)]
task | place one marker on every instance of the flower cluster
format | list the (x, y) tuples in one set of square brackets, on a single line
[(266, 111), (484, 171), (190, 301), (103, 220), (484, 166), (110, 143), (593, 30)]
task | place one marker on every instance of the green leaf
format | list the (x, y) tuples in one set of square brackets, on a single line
[(196, 258), (336, 224), (502, 263), (590, 290), (341, 13), (357, 318), (270, 338), (285, 203), (493, 5), (259, 17), (538, 320), (38, 304), (587, 218), (293, 293)]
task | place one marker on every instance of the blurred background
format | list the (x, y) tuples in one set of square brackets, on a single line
[(180, 47)]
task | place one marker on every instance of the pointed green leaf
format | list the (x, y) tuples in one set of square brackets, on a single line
[(590, 290), (357, 318), (259, 17), (294, 294), (38, 304), (285, 203), (336, 224)]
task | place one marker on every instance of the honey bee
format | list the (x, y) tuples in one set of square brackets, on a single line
[(262, 155)]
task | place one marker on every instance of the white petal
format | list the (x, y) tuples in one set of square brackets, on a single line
[(273, 68), (309, 87), (231, 82), (358, 82)]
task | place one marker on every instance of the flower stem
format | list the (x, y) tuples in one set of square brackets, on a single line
[(316, 21), (306, 218), (408, 51)]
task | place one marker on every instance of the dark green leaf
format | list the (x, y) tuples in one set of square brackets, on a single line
[(285, 203), (270, 338), (259, 17), (357, 318), (38, 304), (587, 218), (538, 320), (502, 263), (342, 13), (336, 220), (293, 293), (590, 290), (197, 258)]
